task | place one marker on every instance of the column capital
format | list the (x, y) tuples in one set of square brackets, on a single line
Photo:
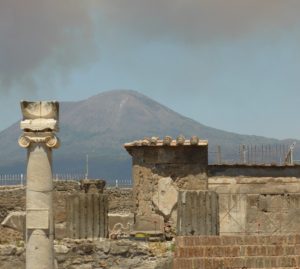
[(49, 138), (40, 116), (40, 122)]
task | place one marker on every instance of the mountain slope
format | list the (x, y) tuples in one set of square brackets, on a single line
[(100, 125)]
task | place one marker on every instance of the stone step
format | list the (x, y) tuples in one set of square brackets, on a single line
[(236, 251), (238, 240), (238, 262)]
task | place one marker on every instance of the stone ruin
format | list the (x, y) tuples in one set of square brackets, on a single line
[(87, 212), (175, 194), (170, 187)]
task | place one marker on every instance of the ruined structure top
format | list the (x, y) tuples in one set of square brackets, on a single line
[(40, 122), (40, 116), (167, 141)]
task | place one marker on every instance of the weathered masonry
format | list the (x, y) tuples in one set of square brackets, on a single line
[(164, 168)]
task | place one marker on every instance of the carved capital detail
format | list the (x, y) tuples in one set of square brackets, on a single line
[(50, 139), (53, 142), (24, 142)]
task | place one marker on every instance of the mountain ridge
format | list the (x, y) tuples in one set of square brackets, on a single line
[(101, 124)]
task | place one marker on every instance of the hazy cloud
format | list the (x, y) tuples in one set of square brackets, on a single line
[(198, 20), (36, 34), (40, 38)]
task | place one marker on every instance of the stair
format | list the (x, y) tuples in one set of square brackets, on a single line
[(224, 252)]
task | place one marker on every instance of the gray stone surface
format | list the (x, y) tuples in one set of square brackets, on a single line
[(149, 224), (120, 224), (258, 205)]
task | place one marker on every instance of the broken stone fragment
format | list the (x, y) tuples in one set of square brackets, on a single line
[(153, 140), (138, 142), (92, 185), (167, 140), (166, 196), (120, 224), (148, 225), (15, 220), (61, 249), (194, 140), (145, 142), (180, 140)]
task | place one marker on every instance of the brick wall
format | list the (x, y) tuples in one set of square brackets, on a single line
[(213, 252)]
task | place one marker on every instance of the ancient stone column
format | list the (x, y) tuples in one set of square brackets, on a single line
[(40, 122)]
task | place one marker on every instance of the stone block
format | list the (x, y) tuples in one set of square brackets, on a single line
[(37, 219), (153, 224), (60, 231), (120, 223), (15, 220), (166, 196)]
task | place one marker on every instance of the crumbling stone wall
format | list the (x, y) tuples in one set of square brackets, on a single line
[(160, 171), (254, 170), (120, 200), (229, 252), (258, 205), (62, 189), (12, 198), (85, 254)]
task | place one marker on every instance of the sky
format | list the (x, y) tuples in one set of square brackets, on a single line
[(233, 65)]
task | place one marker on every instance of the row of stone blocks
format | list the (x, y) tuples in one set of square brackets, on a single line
[(253, 251)]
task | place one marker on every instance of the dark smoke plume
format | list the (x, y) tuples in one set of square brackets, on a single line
[(201, 20), (43, 38)]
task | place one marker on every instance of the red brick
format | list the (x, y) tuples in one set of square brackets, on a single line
[(291, 239), (218, 251), (228, 240), (250, 251), (297, 239), (200, 251), (278, 250), (262, 251), (289, 250), (297, 249), (197, 241), (250, 262), (271, 251), (215, 240), (286, 261), (208, 241), (250, 240)]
